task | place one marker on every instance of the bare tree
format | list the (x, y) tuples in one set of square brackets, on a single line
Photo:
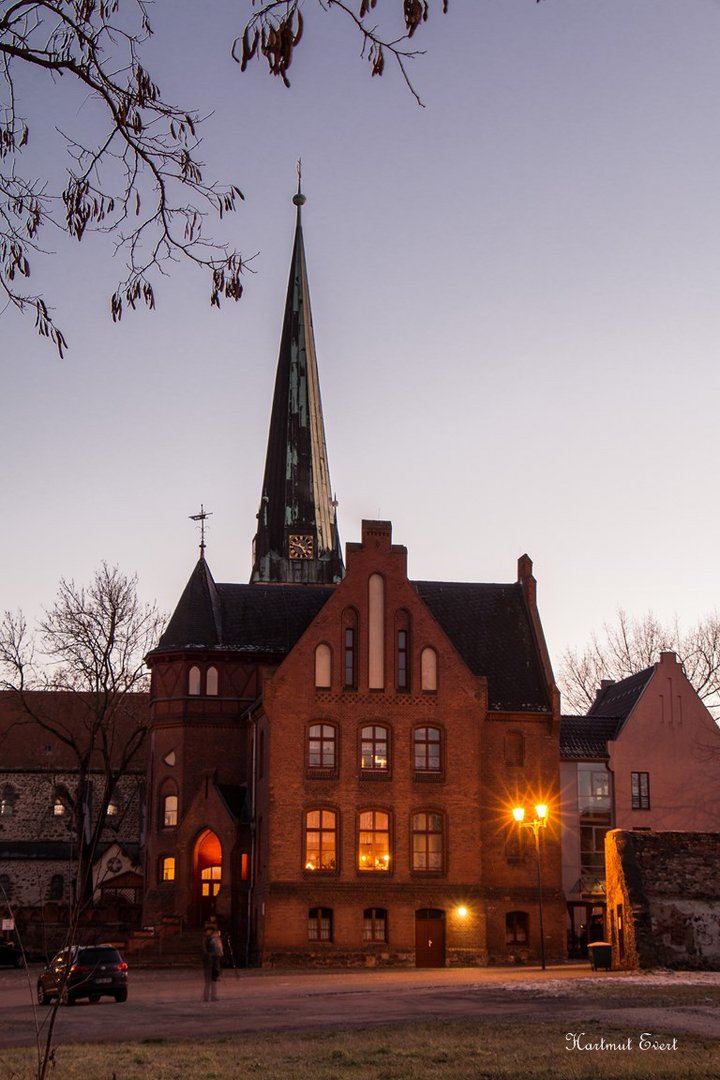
[(630, 645), (140, 180), (89, 654)]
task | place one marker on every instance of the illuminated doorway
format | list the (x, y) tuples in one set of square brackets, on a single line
[(208, 875)]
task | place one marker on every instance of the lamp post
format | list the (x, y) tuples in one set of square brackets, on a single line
[(539, 822)]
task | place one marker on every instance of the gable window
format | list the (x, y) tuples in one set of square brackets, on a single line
[(321, 840), (375, 924), (374, 841), (323, 667), (402, 660), (170, 811), (322, 746), (374, 749), (194, 680), (427, 841), (350, 659), (427, 745), (640, 790), (320, 924), (211, 682), (516, 928), (167, 868), (428, 670)]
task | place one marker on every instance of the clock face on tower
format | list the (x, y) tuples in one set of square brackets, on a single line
[(300, 546)]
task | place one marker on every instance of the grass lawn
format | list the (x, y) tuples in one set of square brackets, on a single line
[(461, 1051)]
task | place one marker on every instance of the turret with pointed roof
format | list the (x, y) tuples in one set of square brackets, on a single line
[(297, 538)]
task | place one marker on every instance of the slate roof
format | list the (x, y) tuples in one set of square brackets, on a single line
[(490, 627), (619, 699), (585, 738), (242, 618)]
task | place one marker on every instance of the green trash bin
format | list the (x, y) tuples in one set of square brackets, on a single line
[(600, 955)]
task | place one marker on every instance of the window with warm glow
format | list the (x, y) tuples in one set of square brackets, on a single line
[(168, 868), (374, 841), (427, 840), (210, 880), (170, 811), (321, 840), (374, 748)]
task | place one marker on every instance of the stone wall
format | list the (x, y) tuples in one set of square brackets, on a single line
[(663, 895)]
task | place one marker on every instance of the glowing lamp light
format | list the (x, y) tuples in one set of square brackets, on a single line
[(519, 812), (462, 912), (541, 811)]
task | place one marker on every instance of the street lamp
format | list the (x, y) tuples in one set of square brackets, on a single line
[(539, 822)]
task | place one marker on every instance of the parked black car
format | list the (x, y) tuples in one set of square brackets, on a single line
[(10, 955), (84, 971)]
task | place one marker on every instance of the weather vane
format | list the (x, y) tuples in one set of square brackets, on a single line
[(202, 518), (299, 199)]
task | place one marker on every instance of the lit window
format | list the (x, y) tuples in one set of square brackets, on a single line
[(320, 924), (374, 841), (168, 868), (58, 808), (8, 798), (427, 839), (170, 811), (426, 750), (321, 840), (374, 924), (112, 810), (210, 880), (211, 682), (640, 790), (374, 748), (322, 739)]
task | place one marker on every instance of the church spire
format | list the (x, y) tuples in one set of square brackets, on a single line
[(297, 538)]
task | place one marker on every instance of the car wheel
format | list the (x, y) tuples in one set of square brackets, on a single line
[(42, 996), (93, 999), (121, 996), (66, 998)]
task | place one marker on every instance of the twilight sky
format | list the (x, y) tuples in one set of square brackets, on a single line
[(516, 298)]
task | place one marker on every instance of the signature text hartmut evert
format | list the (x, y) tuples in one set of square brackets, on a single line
[(646, 1041)]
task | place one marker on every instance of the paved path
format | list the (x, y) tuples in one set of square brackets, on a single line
[(166, 1004)]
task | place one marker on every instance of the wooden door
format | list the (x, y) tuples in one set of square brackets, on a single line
[(429, 938)]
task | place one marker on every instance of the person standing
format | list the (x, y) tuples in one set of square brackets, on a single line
[(212, 962)]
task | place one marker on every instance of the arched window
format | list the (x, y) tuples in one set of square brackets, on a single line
[(516, 928), (8, 798), (376, 632), (322, 746), (194, 680), (168, 805), (320, 924), (211, 682), (58, 807), (321, 840), (375, 924), (427, 750), (167, 868), (428, 669), (374, 748), (350, 634), (514, 748), (323, 667), (374, 841), (427, 841)]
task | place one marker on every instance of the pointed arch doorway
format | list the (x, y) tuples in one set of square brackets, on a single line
[(208, 875)]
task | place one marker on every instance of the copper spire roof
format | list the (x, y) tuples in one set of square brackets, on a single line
[(297, 539)]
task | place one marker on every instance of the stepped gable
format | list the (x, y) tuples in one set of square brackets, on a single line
[(490, 627)]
